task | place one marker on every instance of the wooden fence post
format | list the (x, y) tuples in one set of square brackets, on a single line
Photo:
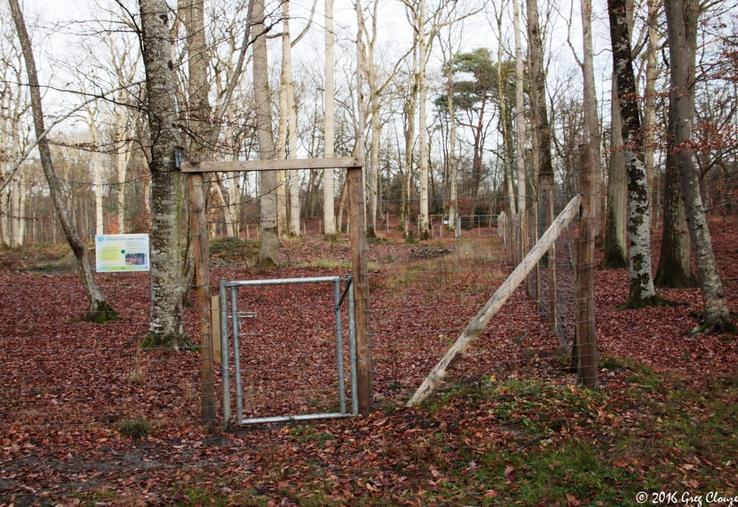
[(200, 247), (359, 270), (552, 317), (215, 327), (586, 332), (493, 305)]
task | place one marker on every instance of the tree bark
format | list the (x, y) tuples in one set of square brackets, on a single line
[(293, 182), (329, 97), (167, 210), (591, 120), (507, 149), (269, 243), (99, 310), (675, 259), (641, 290), (617, 191), (453, 197), (422, 86), (520, 125), (541, 128), (649, 102), (682, 17)]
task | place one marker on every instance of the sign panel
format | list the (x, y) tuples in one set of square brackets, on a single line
[(121, 252)]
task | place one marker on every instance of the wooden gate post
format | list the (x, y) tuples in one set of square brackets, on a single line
[(200, 247), (359, 270), (586, 333)]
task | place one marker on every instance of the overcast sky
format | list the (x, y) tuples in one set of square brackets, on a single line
[(59, 28)]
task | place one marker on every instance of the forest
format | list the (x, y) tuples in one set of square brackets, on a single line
[(364, 252)]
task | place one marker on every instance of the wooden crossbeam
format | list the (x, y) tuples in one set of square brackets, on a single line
[(210, 166)]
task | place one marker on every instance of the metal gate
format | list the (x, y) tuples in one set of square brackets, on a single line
[(230, 337)]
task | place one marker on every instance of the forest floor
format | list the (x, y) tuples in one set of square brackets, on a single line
[(86, 418)]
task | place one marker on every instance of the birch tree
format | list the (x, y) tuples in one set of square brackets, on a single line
[(99, 310), (641, 292)]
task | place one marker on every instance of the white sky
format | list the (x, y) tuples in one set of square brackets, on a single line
[(56, 20)]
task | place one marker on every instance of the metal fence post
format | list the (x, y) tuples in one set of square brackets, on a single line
[(224, 354), (236, 351)]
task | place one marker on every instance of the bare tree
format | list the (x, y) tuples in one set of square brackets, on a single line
[(682, 17), (167, 282), (269, 243), (99, 310), (329, 97), (642, 292), (287, 136), (540, 125), (520, 125), (14, 138), (591, 119), (449, 54), (675, 259)]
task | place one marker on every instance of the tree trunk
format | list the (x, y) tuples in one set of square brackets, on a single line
[(591, 119), (422, 85), (503, 124), (453, 198), (675, 260), (682, 17), (541, 129), (642, 292), (329, 217), (269, 243), (649, 101), (410, 106), (99, 310), (373, 174), (19, 212), (520, 128), (120, 162), (293, 183), (617, 191), (167, 213)]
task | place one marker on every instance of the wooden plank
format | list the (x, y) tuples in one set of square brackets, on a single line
[(215, 326), (200, 247), (493, 305), (586, 333), (359, 270), (209, 166)]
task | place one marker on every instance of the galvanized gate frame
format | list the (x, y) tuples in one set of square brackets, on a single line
[(233, 285)]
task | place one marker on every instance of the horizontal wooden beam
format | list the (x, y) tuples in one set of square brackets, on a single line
[(210, 166)]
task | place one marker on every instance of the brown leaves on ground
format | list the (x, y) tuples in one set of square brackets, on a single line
[(67, 387)]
